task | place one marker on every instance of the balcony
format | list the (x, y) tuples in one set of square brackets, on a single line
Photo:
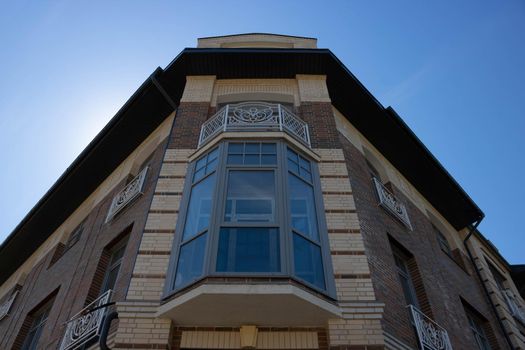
[(6, 306), (236, 304), (431, 336), (514, 306), (127, 195), (391, 204), (86, 325), (254, 116)]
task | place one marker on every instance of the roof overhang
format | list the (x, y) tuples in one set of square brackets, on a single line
[(147, 108)]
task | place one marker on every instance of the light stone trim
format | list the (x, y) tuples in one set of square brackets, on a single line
[(156, 241), (342, 221), (312, 88), (173, 169), (138, 325), (331, 169), (235, 90), (350, 264), (145, 288), (346, 242), (163, 202), (330, 154), (161, 221), (151, 264), (335, 185), (358, 289), (179, 155), (198, 88), (367, 331), (257, 41), (169, 185), (265, 340)]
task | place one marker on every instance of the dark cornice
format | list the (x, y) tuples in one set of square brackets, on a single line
[(147, 108)]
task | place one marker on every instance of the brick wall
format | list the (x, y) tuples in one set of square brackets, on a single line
[(74, 271), (443, 279)]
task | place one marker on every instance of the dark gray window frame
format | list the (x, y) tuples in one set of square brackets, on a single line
[(404, 273), (282, 220)]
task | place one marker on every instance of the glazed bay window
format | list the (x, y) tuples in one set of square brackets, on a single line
[(252, 209)]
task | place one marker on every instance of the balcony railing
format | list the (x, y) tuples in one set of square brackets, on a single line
[(431, 336), (6, 306), (128, 194), (87, 324), (388, 201), (515, 309), (254, 116)]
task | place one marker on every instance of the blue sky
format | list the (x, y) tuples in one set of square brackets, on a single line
[(454, 70)]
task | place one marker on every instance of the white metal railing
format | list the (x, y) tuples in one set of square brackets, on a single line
[(254, 116), (388, 201), (6, 306), (87, 324), (128, 193), (431, 336), (515, 309)]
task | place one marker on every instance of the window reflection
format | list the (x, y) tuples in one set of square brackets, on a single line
[(249, 250), (199, 208), (250, 197)]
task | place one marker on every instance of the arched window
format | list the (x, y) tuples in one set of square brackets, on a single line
[(252, 208)]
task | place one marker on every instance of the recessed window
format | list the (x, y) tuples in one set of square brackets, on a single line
[(113, 269), (476, 326), (403, 272), (442, 240), (38, 322), (254, 211), (74, 237)]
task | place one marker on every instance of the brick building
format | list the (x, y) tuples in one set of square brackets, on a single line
[(253, 194)]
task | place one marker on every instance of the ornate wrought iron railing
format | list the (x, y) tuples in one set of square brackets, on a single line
[(6, 306), (128, 194), (515, 309), (254, 116), (388, 201), (431, 336), (87, 324)]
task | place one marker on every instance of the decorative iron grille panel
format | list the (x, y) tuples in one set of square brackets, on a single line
[(128, 194), (515, 309), (388, 201), (6, 306), (87, 324), (256, 116), (431, 336)]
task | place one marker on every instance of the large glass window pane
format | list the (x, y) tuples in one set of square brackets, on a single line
[(199, 208), (191, 261), (308, 261), (250, 196), (249, 250), (302, 207)]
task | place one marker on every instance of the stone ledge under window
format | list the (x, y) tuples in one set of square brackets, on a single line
[(259, 304)]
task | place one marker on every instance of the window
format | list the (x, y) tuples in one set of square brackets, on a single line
[(401, 261), (115, 261), (476, 326), (74, 237), (38, 321), (442, 240), (498, 277), (252, 209)]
